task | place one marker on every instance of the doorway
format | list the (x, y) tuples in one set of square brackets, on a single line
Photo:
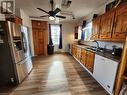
[(40, 37)]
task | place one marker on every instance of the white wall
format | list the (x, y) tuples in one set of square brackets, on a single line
[(67, 36), (27, 22), (25, 18)]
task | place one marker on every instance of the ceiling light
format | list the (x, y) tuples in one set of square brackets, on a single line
[(51, 17)]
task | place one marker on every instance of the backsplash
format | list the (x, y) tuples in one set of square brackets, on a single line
[(102, 44), (108, 45)]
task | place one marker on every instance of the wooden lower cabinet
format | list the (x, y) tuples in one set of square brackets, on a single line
[(79, 53), (74, 51), (83, 56), (90, 61)]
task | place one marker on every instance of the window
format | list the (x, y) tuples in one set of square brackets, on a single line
[(87, 31), (55, 34)]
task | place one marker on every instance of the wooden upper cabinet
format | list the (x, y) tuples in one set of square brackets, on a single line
[(120, 25), (96, 28), (111, 26), (107, 25), (14, 19), (18, 20)]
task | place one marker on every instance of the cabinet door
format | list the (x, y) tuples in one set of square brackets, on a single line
[(90, 61), (105, 72), (120, 27), (96, 28), (107, 25), (74, 51), (83, 56), (71, 49), (79, 53)]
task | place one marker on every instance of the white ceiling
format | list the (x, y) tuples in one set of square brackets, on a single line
[(79, 8)]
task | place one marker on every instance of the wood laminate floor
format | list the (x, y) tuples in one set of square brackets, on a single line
[(58, 74)]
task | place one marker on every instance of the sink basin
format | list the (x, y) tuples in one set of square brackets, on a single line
[(95, 49)]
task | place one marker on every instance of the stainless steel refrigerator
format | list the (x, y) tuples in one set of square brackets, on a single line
[(15, 61)]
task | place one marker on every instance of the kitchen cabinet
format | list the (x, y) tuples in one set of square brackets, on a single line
[(14, 19), (107, 25), (87, 59), (79, 53), (90, 56), (120, 23), (18, 20), (96, 28), (83, 56), (111, 26), (74, 51), (105, 72)]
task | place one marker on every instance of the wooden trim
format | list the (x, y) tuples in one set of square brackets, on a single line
[(121, 71)]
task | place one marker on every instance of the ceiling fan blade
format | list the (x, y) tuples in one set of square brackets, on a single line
[(34, 17), (43, 10), (44, 16), (57, 10), (61, 16)]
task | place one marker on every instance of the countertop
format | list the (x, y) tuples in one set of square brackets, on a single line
[(106, 53)]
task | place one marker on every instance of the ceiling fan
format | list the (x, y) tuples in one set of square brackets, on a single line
[(53, 13)]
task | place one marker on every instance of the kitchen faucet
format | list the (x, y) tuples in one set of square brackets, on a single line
[(97, 44)]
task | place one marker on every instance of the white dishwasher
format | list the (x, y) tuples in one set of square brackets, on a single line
[(105, 72)]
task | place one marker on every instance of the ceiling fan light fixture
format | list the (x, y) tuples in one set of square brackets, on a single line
[(51, 17)]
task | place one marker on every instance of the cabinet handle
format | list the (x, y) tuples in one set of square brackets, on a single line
[(108, 86)]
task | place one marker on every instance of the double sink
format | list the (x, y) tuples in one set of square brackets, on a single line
[(95, 49)]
